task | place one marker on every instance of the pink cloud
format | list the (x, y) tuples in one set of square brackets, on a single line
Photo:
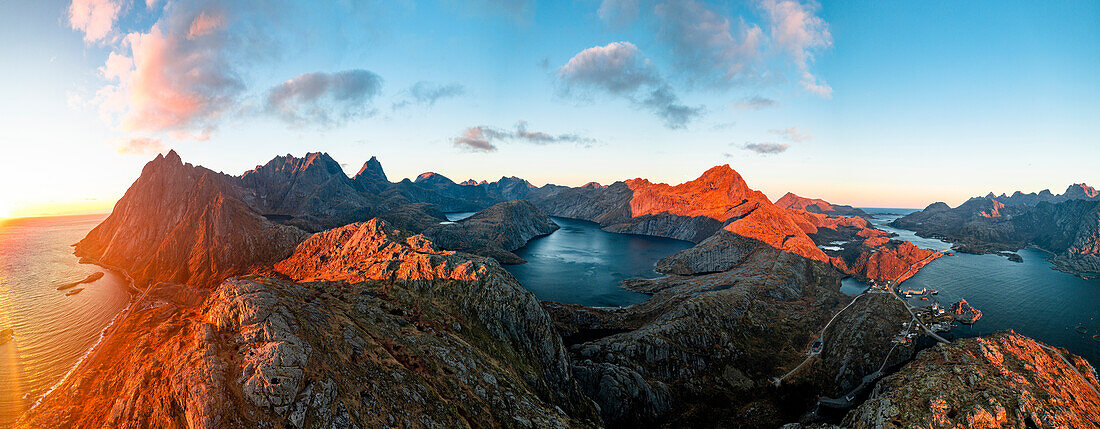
[(96, 18), (205, 24), (139, 145)]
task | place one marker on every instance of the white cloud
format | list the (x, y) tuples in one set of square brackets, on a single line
[(619, 69), (96, 18)]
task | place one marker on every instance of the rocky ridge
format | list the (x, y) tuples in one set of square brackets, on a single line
[(494, 232), (374, 328), (1003, 380)]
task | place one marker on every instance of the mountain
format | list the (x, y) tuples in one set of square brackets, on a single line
[(312, 193), (371, 178), (815, 205), (251, 321), (186, 224), (1070, 229), (377, 328)]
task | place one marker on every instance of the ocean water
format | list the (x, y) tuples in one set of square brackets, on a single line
[(52, 330), (583, 264), (1029, 297)]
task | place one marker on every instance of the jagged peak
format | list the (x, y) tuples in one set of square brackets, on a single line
[(372, 168)]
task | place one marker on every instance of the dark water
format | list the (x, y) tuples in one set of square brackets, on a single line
[(583, 264), (1028, 297), (52, 330)]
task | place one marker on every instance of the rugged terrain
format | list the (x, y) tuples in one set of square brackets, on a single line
[(494, 232), (1003, 380), (1070, 230), (373, 328), (295, 295)]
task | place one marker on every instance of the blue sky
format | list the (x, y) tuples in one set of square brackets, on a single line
[(863, 103)]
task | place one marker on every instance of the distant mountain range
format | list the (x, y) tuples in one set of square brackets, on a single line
[(1068, 225)]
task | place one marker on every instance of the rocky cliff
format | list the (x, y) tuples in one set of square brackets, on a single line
[(1003, 380), (494, 232), (186, 224)]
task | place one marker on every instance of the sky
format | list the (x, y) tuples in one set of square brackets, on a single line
[(872, 104)]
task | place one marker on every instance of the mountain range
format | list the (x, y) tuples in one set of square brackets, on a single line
[(296, 296)]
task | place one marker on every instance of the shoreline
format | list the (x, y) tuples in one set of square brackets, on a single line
[(103, 333)]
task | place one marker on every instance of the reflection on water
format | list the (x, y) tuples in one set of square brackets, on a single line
[(583, 264), (1028, 297), (51, 330)]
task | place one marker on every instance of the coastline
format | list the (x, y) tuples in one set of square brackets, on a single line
[(103, 333)]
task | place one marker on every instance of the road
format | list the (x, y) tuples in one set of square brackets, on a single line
[(821, 335)]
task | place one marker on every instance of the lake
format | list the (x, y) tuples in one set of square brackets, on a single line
[(583, 264), (52, 330), (1029, 297)]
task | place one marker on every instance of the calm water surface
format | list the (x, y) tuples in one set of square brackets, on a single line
[(1028, 297), (583, 264), (52, 331)]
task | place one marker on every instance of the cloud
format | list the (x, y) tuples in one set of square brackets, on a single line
[(793, 134), (139, 145), (618, 12), (96, 18), (189, 70), (766, 148), (481, 138), (797, 31), (707, 46), (205, 24), (619, 69), (755, 102), (427, 93), (323, 98)]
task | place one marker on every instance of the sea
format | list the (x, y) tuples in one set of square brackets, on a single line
[(51, 330)]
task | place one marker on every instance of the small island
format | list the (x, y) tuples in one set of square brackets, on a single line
[(964, 313), (91, 278)]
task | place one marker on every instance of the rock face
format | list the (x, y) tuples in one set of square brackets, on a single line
[(1004, 380), (379, 330), (815, 205), (494, 232), (1070, 230), (186, 224)]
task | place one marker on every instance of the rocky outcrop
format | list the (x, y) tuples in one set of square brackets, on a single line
[(186, 224), (494, 232), (817, 205), (1003, 380), (378, 329)]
